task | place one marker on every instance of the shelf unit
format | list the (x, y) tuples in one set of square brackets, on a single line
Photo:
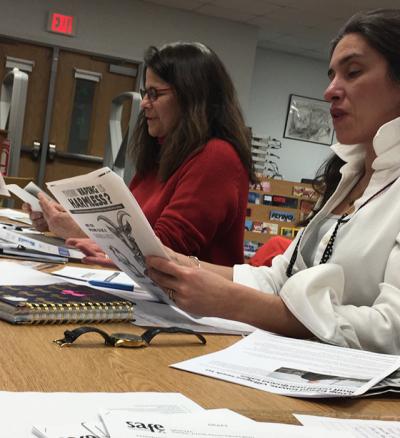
[(275, 207)]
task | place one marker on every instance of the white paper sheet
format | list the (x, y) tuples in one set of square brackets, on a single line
[(87, 274), (25, 196), (20, 411), (130, 423), (359, 428), (161, 315), (18, 274), (206, 424), (15, 215), (294, 367)]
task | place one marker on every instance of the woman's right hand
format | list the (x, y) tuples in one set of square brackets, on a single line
[(37, 218), (94, 254)]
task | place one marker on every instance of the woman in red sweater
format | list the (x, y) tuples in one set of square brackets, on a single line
[(192, 156)]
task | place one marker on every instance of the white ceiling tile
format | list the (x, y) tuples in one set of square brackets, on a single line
[(268, 34), (229, 14), (253, 7)]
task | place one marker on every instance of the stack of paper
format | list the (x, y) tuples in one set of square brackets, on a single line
[(26, 238), (223, 423), (144, 415)]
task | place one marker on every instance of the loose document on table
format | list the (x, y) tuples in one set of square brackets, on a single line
[(296, 367), (359, 428)]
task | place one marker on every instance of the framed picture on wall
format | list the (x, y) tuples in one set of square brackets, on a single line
[(308, 119)]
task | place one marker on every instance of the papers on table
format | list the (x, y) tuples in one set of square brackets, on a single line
[(15, 215), (359, 428), (161, 315), (23, 410), (295, 367), (147, 423), (108, 276), (17, 274), (86, 274), (150, 313), (205, 424)]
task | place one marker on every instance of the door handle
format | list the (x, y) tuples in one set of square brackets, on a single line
[(51, 152), (37, 146)]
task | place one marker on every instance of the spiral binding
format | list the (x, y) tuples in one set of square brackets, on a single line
[(61, 313)]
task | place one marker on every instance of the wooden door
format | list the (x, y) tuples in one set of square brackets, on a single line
[(90, 76), (74, 77)]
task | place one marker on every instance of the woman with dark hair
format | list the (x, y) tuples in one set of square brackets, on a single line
[(340, 279), (192, 156), (192, 153)]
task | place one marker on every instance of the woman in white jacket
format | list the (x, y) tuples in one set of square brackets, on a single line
[(340, 279)]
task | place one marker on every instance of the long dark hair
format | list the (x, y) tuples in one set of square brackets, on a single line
[(381, 30), (208, 104)]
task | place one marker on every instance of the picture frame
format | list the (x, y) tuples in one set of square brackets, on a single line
[(309, 119)]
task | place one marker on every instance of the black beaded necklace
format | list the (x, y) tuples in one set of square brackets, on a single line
[(329, 247)]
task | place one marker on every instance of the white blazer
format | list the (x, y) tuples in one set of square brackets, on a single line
[(354, 299)]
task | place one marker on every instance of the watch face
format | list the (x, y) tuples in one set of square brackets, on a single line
[(128, 340), (127, 337)]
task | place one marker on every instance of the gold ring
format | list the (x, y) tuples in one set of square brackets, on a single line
[(170, 293)]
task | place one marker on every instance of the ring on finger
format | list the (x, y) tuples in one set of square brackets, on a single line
[(171, 293)]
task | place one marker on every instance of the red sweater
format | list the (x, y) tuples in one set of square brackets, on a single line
[(200, 210)]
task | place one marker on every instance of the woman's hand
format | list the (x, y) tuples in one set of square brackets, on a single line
[(195, 290), (94, 254), (37, 218), (57, 219), (206, 293)]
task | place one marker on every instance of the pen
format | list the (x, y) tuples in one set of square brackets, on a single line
[(109, 285)]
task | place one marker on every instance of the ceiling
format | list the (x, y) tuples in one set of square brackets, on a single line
[(302, 27)]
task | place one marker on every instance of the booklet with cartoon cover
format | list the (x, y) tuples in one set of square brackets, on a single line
[(105, 209)]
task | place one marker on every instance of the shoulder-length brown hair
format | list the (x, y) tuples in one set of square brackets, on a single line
[(208, 104)]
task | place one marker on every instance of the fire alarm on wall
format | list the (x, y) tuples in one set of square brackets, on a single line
[(61, 23)]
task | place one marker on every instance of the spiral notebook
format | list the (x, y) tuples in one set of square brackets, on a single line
[(61, 303)]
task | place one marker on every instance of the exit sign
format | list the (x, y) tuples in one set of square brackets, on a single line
[(60, 23)]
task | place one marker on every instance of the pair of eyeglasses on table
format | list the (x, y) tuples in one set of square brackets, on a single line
[(126, 340)]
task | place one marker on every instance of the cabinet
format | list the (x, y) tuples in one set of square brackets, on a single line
[(275, 207)]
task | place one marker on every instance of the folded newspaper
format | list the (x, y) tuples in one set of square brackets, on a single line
[(105, 209)]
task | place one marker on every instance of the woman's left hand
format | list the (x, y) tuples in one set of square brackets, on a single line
[(94, 254), (195, 290)]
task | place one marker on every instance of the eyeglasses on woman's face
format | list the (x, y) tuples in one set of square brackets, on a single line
[(153, 93)]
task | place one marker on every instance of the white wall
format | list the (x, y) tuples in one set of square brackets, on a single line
[(276, 76), (125, 28)]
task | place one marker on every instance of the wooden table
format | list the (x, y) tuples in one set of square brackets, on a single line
[(30, 361)]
